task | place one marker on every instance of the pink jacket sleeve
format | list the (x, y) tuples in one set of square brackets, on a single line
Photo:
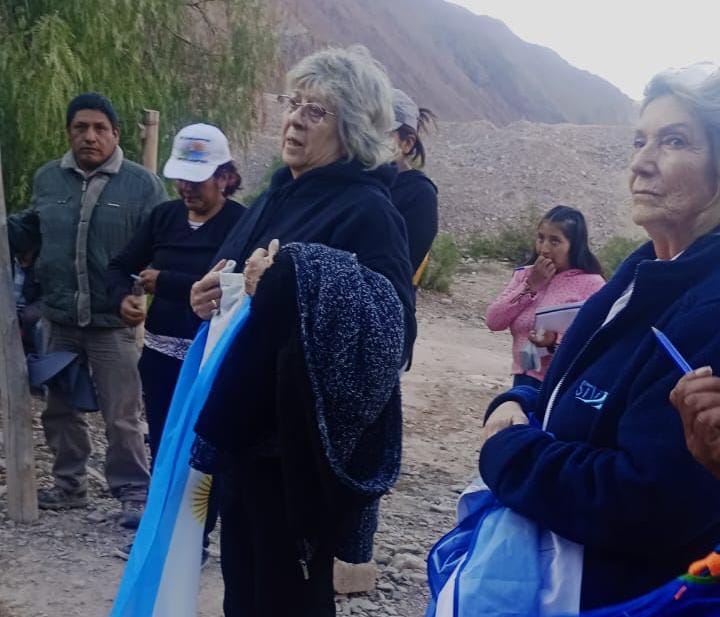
[(587, 285), (509, 304)]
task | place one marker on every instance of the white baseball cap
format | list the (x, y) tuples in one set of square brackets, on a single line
[(198, 150), (406, 110)]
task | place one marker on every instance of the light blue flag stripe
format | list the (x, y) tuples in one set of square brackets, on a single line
[(497, 562), (138, 589)]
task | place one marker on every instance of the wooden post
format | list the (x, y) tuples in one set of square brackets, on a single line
[(149, 136), (14, 393)]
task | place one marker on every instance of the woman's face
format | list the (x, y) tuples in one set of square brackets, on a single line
[(552, 244), (309, 141), (202, 197), (672, 173)]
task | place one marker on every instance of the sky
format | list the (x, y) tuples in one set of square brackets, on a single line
[(625, 42)]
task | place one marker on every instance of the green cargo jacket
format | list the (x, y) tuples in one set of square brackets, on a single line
[(79, 221)]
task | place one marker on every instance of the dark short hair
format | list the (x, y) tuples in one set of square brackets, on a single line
[(234, 179), (426, 120), (92, 100), (572, 224)]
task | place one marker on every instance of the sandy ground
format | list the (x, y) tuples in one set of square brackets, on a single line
[(64, 564)]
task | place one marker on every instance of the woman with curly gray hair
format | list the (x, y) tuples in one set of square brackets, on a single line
[(286, 512)]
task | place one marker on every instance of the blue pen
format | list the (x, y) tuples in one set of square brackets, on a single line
[(681, 362)]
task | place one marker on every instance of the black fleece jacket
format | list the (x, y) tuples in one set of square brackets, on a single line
[(166, 242), (415, 197), (341, 205)]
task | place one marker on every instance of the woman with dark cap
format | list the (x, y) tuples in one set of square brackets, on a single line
[(413, 193)]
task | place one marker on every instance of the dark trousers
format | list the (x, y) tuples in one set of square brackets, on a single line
[(159, 374), (259, 555)]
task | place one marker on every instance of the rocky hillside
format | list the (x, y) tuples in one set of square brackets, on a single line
[(489, 176), (461, 65)]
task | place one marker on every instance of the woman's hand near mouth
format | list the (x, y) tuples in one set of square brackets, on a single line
[(542, 271)]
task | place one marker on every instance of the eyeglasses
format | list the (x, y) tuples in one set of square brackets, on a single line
[(313, 111)]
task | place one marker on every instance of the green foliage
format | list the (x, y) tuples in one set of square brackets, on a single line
[(444, 261), (614, 251), (513, 243), (191, 60)]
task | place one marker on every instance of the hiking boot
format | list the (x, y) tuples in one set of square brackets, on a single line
[(57, 498), (131, 514)]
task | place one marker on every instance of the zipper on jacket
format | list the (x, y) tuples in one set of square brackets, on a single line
[(84, 185), (304, 558), (305, 569), (556, 391)]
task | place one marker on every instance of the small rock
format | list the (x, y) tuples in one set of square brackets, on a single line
[(358, 605), (405, 561), (393, 574), (418, 577), (414, 549), (96, 516), (382, 558)]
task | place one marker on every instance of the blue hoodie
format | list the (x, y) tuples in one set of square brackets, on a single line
[(613, 472)]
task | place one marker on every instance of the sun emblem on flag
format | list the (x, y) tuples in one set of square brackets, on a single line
[(200, 498)]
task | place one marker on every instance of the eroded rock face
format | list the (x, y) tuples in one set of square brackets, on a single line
[(462, 65), (490, 176)]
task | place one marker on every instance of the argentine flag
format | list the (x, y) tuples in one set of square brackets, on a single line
[(162, 576), (496, 562)]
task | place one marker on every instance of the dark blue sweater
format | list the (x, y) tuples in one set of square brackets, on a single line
[(166, 242), (342, 206), (613, 472)]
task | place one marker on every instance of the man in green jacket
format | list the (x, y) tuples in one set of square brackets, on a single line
[(84, 209)]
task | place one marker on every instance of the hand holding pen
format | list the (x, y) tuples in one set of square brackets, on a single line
[(696, 396)]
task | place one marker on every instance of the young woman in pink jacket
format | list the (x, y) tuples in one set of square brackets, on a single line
[(561, 270)]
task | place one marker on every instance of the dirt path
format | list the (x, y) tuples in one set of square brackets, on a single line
[(64, 565)]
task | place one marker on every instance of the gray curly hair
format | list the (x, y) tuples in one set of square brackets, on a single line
[(356, 85), (698, 86)]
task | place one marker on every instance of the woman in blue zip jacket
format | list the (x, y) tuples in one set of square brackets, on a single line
[(611, 471)]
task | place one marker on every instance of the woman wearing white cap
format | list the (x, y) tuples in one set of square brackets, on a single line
[(413, 193), (172, 250)]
